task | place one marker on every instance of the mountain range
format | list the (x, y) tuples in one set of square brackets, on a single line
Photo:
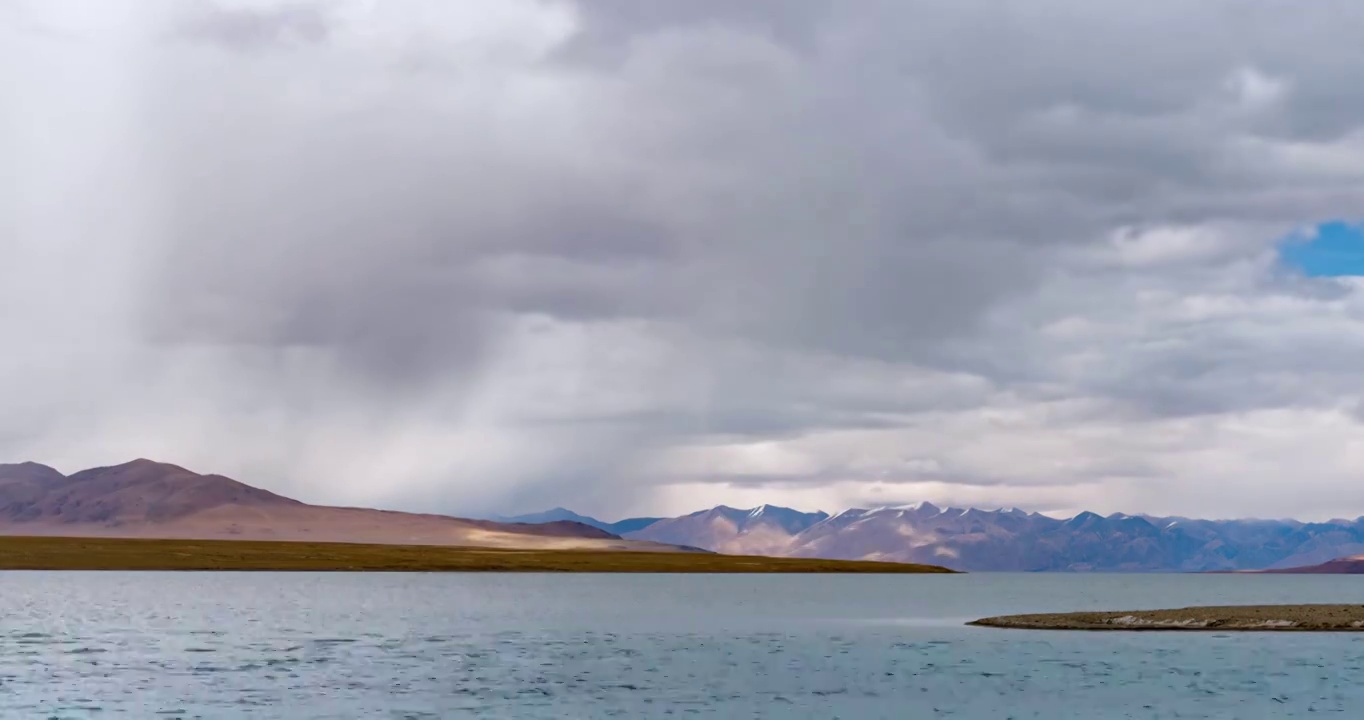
[(973, 539), (149, 499)]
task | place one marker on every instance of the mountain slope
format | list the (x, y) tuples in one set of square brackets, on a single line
[(629, 525), (156, 500), (765, 530)]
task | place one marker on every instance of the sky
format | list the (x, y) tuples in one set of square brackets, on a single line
[(645, 257), (1330, 249)]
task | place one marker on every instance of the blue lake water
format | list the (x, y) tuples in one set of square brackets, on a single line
[(267, 645)]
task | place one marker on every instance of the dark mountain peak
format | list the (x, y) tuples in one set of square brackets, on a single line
[(28, 471), (140, 468), (146, 465), (27, 465), (1086, 519)]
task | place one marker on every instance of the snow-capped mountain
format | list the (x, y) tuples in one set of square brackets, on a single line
[(1009, 539)]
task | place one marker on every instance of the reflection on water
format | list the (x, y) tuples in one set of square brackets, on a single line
[(264, 645)]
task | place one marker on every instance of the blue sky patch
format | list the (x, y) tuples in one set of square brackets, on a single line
[(1336, 250)]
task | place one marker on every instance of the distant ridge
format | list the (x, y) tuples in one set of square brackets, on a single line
[(561, 514), (557, 514), (149, 499), (1009, 539), (1352, 565)]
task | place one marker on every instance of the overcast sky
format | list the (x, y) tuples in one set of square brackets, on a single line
[(633, 256)]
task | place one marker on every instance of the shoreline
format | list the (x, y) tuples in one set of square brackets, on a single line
[(1231, 618), (19, 553)]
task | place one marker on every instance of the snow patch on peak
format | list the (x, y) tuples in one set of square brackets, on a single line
[(850, 512)]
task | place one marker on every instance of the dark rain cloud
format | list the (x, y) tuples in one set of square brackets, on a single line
[(668, 224)]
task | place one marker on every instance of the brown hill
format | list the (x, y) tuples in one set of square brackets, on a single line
[(148, 499), (1353, 565), (139, 491)]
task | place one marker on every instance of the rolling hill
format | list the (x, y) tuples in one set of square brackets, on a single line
[(146, 499)]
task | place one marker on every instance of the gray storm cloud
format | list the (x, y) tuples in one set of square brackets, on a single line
[(613, 254)]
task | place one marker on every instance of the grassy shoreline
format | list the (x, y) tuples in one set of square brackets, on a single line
[(71, 553), (1233, 618)]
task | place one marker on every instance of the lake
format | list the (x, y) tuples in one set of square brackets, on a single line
[(274, 645)]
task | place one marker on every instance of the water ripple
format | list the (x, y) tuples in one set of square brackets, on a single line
[(361, 646)]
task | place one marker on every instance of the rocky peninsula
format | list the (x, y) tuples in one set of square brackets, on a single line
[(1279, 618)]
